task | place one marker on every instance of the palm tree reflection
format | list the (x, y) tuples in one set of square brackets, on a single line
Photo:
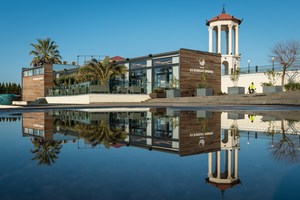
[(100, 133), (45, 151)]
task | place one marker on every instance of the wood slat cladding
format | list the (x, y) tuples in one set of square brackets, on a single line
[(37, 86), (190, 71), (39, 121), (194, 131)]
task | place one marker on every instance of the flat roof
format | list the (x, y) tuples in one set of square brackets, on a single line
[(163, 54)]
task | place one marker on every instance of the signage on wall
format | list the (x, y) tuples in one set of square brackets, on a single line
[(201, 67), (38, 79)]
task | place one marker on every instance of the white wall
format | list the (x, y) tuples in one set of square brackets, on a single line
[(258, 124), (97, 98), (256, 78)]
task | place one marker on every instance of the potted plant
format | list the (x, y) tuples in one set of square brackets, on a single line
[(158, 92), (270, 87), (234, 77), (203, 89), (173, 90)]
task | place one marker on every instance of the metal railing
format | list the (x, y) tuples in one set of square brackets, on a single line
[(265, 68)]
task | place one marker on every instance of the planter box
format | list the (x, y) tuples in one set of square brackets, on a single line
[(173, 93), (157, 95), (234, 115), (272, 89), (236, 90), (172, 112), (98, 89), (204, 114), (205, 92)]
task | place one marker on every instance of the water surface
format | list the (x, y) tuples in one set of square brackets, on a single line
[(157, 153)]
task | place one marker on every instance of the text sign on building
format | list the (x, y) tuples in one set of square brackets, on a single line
[(201, 68)]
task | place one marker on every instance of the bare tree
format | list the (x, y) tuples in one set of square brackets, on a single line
[(286, 53)]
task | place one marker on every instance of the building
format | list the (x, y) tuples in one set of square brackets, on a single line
[(228, 48), (179, 69), (37, 81)]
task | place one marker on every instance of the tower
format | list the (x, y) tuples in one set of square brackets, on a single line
[(229, 49), (228, 177)]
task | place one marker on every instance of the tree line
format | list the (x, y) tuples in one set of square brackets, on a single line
[(10, 88)]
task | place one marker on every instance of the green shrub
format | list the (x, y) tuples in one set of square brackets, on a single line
[(159, 90), (292, 86), (266, 84)]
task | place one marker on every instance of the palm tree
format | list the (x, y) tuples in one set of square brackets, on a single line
[(100, 71), (45, 52), (101, 133), (45, 151)]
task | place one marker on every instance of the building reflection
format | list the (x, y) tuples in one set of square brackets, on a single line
[(227, 178), (167, 130)]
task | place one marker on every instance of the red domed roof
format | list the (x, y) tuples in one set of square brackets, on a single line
[(223, 16)]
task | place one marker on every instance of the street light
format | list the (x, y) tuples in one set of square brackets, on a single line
[(273, 59), (248, 66)]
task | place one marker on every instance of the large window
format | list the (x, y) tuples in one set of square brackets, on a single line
[(162, 76), (34, 72), (138, 64), (162, 61), (138, 77)]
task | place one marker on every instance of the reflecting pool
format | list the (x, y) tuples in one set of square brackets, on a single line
[(149, 153)]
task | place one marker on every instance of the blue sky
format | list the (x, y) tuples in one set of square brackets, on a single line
[(137, 27)]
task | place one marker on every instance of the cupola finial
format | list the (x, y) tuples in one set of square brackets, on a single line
[(223, 11)]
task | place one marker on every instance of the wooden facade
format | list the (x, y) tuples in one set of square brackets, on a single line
[(199, 135), (38, 121), (187, 66), (192, 64), (36, 86)]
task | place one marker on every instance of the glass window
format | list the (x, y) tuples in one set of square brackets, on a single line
[(138, 64), (30, 131), (25, 73), (138, 78), (162, 61), (41, 133), (30, 72), (39, 71), (162, 76)]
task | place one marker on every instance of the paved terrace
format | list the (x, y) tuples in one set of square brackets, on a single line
[(281, 98), (290, 98)]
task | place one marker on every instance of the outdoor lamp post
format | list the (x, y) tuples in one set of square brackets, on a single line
[(273, 59), (248, 66)]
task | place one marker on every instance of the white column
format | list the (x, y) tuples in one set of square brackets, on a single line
[(210, 40), (229, 164), (209, 164), (226, 42), (219, 164), (237, 40), (219, 39), (216, 36), (235, 163), (230, 39), (149, 129)]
